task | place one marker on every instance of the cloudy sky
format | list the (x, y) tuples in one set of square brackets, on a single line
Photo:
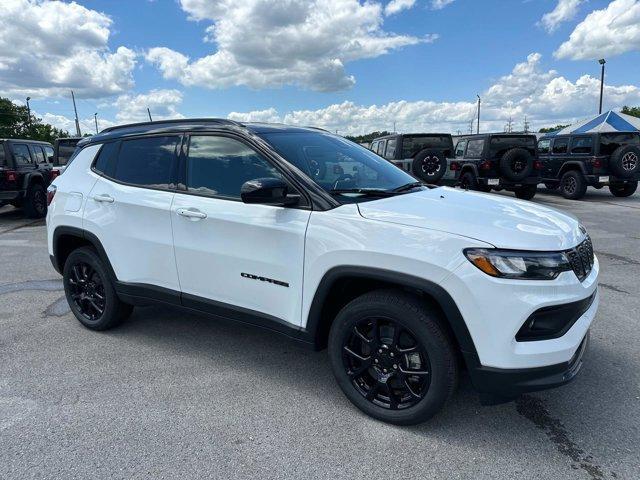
[(347, 65)]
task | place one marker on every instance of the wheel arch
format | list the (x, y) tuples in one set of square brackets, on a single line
[(469, 167), (578, 166), (340, 285), (67, 239), (32, 179)]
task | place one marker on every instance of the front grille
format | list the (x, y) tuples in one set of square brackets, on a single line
[(581, 259)]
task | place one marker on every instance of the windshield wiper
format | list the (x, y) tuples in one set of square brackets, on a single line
[(373, 192), (408, 186)]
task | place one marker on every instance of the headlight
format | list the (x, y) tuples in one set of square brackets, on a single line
[(518, 264)]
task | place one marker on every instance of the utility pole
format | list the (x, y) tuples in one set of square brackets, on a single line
[(95, 118), (76, 112), (602, 61), (149, 112), (526, 125), (471, 126), (509, 126), (394, 126), (478, 123), (28, 112)]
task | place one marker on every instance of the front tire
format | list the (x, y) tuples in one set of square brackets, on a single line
[(90, 292), (391, 357), (573, 185)]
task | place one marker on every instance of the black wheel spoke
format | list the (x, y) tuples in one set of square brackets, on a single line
[(375, 334), (393, 401), (408, 388), (86, 290), (354, 354), (359, 334), (411, 349), (414, 372), (371, 393), (364, 366)]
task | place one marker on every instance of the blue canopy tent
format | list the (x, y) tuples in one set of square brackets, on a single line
[(607, 122)]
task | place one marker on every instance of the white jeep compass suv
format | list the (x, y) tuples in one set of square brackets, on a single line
[(305, 233)]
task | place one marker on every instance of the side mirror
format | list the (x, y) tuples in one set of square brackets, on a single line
[(268, 191)]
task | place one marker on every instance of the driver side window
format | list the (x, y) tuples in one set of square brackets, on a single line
[(219, 166)]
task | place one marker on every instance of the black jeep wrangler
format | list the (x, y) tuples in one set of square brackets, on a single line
[(497, 161), (25, 173), (424, 155), (573, 162)]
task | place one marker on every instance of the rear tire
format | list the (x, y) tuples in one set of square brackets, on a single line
[(35, 203), (429, 165), (526, 192), (573, 185), (624, 190), (90, 292), (373, 364)]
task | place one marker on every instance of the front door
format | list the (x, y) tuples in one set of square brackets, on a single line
[(235, 259)]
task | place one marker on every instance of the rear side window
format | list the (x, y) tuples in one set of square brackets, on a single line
[(147, 162), (37, 153), (544, 146), (381, 145), (48, 151), (3, 158), (106, 161), (390, 152), (462, 144), (582, 145), (560, 145), (219, 166), (21, 154), (374, 147), (475, 148)]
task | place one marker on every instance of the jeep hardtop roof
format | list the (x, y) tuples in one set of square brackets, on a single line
[(190, 124), (552, 135), (40, 142)]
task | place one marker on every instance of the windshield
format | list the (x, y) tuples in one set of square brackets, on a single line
[(412, 144), (335, 163)]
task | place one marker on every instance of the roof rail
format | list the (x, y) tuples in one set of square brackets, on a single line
[(223, 121)]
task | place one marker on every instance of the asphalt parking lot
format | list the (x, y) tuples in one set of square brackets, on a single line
[(171, 395)]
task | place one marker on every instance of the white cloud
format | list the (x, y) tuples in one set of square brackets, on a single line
[(440, 4), (270, 116), (395, 6), (611, 31), (544, 97), (48, 47), (162, 103), (266, 43), (565, 11)]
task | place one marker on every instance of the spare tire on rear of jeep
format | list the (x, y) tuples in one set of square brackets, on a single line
[(516, 164), (625, 161), (429, 165)]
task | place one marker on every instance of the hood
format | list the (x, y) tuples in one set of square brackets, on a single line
[(494, 219)]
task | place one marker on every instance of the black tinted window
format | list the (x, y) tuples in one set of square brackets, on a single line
[(609, 142), (36, 152), (219, 166), (49, 153), (474, 150), (560, 145), (106, 161), (147, 162), (582, 145), (21, 154), (462, 144), (381, 145), (544, 146), (3, 160)]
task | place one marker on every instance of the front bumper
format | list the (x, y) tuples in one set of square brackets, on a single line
[(497, 385)]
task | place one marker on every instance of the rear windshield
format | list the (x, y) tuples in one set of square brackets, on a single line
[(500, 142), (609, 142), (66, 149), (412, 144)]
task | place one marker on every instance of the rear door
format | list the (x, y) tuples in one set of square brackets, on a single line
[(559, 155), (236, 259), (129, 210), (544, 154)]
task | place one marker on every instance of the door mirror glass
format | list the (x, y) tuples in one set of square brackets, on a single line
[(267, 191)]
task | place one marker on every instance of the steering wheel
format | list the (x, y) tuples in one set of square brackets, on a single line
[(345, 177)]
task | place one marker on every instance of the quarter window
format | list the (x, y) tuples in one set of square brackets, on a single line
[(374, 147), (462, 144), (475, 148), (560, 145), (380, 150), (544, 146), (219, 166), (390, 152), (37, 153), (106, 161), (49, 153), (147, 162), (583, 145), (21, 154)]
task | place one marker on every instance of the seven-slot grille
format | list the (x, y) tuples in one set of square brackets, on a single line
[(581, 258)]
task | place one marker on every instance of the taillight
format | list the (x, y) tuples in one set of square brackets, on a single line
[(11, 175), (51, 192), (486, 165), (55, 174), (538, 165), (454, 166), (596, 162)]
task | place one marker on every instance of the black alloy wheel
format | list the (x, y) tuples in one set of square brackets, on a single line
[(86, 289), (573, 185), (386, 364)]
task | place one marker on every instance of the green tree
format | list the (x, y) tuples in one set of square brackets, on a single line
[(552, 129), (15, 122), (367, 138), (633, 111)]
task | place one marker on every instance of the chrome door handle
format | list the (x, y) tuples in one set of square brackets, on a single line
[(103, 198), (189, 213)]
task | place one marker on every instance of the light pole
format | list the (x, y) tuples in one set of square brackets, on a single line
[(28, 112), (95, 118), (602, 61), (478, 123)]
